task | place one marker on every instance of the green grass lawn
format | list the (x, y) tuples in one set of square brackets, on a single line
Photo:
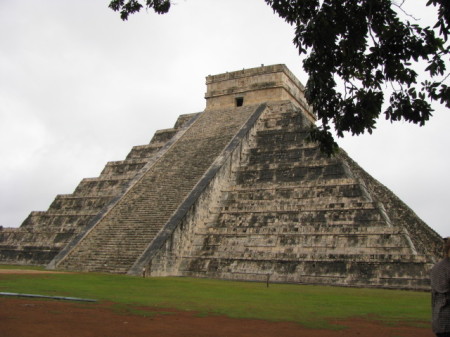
[(312, 306)]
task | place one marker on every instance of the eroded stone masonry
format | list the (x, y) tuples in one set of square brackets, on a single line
[(234, 192)]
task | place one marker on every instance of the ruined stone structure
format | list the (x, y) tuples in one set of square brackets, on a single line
[(234, 192)]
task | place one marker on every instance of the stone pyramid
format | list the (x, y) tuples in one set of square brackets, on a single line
[(234, 192)]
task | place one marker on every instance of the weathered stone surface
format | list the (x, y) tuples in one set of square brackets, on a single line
[(286, 210), (235, 192)]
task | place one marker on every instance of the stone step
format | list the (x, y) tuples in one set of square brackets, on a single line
[(288, 223), (123, 167), (275, 139), (183, 119), (162, 136), (69, 202), (39, 241), (289, 156), (283, 165), (277, 252), (55, 221), (321, 194), (70, 212), (329, 183), (101, 186), (279, 228), (383, 281), (360, 216), (301, 205), (281, 243), (143, 151), (28, 254), (326, 257), (387, 271), (251, 175)]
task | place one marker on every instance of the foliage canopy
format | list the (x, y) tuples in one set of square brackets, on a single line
[(358, 52)]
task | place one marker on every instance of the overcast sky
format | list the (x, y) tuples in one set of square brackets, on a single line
[(79, 87)]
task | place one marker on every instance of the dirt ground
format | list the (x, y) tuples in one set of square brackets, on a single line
[(23, 317), (20, 317)]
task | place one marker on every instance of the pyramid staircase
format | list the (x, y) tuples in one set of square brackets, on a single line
[(43, 234), (124, 232)]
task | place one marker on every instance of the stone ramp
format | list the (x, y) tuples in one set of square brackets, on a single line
[(122, 234), (43, 234), (299, 216)]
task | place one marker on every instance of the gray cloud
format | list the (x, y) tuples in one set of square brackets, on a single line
[(79, 87)]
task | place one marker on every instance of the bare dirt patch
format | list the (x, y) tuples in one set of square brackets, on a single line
[(31, 317)]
